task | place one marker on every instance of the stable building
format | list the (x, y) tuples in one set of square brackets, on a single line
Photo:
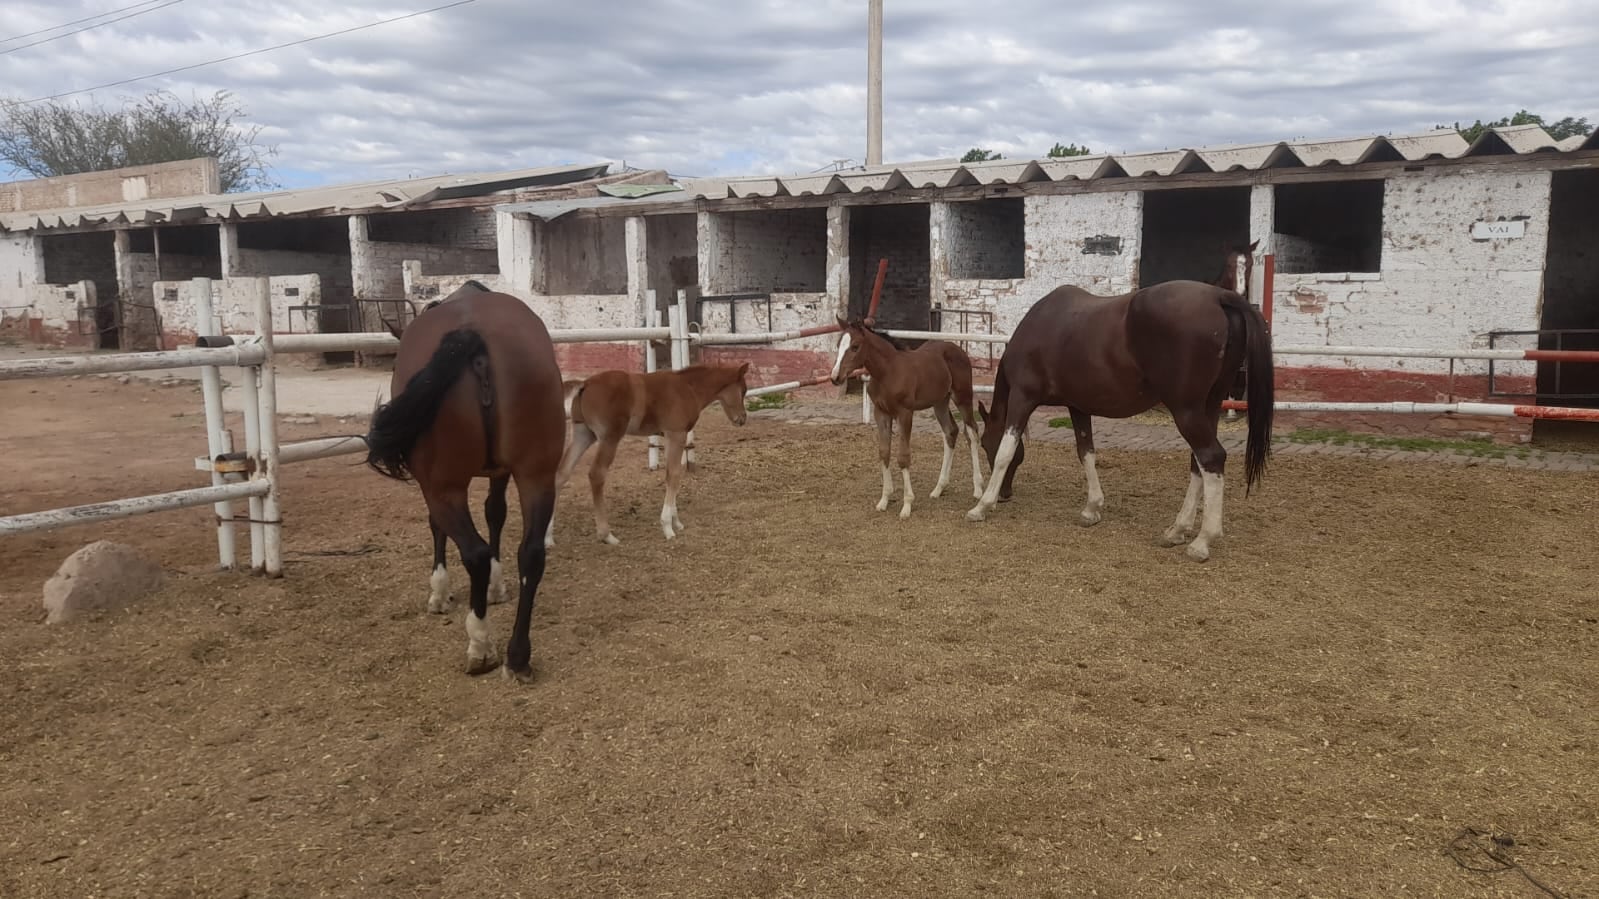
[(1408, 241)]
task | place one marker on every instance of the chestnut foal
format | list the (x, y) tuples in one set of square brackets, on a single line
[(614, 404), (903, 383)]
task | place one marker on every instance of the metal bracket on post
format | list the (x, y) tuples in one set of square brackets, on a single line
[(216, 441)]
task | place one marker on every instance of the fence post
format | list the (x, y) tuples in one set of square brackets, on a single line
[(680, 354), (652, 319), (267, 408), (215, 429)]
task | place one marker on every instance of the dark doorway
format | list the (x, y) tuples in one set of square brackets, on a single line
[(1188, 233), (903, 235), (91, 256), (1570, 315)]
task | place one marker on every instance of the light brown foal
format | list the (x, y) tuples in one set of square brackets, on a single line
[(904, 382), (615, 404)]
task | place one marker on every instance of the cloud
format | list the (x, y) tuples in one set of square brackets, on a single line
[(706, 88)]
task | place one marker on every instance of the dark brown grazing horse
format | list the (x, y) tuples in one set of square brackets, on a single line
[(1178, 343), (903, 383), (476, 392), (611, 405)]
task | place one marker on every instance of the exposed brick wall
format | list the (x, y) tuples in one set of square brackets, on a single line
[(1344, 385), (901, 234), (986, 239), (581, 360), (184, 178), (771, 365), (779, 251)]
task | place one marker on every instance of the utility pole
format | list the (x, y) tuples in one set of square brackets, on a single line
[(874, 82)]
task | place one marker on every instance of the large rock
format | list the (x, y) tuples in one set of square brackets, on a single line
[(102, 575)]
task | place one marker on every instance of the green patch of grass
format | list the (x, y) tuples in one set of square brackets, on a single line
[(1062, 422), (766, 401), (1470, 446)]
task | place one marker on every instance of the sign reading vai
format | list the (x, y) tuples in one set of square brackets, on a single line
[(1499, 230)]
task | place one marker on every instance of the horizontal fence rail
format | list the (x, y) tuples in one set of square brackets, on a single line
[(112, 363), (127, 508)]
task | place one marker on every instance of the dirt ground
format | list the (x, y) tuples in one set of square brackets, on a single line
[(802, 696)]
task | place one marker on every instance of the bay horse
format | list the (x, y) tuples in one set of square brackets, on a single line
[(1178, 343), (476, 392), (905, 382), (611, 405)]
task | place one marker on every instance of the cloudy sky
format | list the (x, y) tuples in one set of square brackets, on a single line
[(778, 86)]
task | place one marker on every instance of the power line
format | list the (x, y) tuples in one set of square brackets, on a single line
[(212, 62), (98, 15), (58, 37)]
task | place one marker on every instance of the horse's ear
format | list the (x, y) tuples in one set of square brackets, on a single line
[(841, 322), (1253, 244), (982, 412), (743, 369)]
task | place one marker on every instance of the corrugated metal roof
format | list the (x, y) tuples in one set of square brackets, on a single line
[(938, 173), (373, 195)]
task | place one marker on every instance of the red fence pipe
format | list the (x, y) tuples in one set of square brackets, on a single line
[(877, 290), (1268, 275)]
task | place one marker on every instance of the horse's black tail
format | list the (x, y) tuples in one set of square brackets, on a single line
[(399, 423), (1262, 386)]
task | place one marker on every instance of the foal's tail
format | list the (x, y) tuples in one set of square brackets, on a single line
[(960, 380), (571, 389), (1261, 384), (399, 423)]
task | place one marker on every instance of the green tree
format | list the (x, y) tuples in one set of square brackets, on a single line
[(56, 138), (977, 154), (1566, 127), (1060, 150)]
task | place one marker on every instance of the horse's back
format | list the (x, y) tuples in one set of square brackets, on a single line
[(525, 394)]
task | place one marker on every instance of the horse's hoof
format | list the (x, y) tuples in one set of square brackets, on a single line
[(882, 506), (1173, 537), (975, 514), (1004, 498), (1198, 553), (478, 665), (521, 676), (677, 526), (610, 539), (1089, 519), (440, 606), (549, 542), (905, 513), (669, 533), (937, 492)]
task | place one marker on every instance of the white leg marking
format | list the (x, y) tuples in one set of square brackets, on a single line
[(888, 489), (668, 515), (1183, 528), (905, 510), (479, 648), (549, 534), (972, 438), (1006, 452), (843, 347), (1096, 496), (1199, 550), (943, 472), (439, 591), (496, 583)]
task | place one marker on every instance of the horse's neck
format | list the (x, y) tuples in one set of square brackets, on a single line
[(878, 354), (706, 382)]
